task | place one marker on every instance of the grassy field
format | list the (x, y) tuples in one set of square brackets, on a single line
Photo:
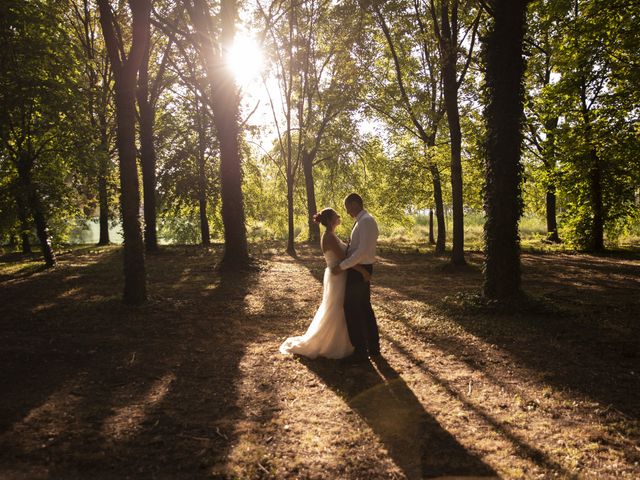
[(191, 385), (533, 235), (414, 233)]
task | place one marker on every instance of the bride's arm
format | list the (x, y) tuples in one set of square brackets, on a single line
[(330, 242)]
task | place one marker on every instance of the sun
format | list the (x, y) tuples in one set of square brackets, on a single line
[(245, 60)]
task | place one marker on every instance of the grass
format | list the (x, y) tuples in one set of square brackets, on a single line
[(532, 229)]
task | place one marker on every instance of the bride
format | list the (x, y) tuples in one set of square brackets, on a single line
[(327, 336)]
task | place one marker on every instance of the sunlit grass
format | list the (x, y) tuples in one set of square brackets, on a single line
[(413, 234), (533, 235), (16, 266)]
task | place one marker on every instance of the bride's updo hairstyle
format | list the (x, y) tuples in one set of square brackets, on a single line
[(324, 217)]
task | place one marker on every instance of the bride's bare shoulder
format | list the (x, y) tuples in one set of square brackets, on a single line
[(328, 240)]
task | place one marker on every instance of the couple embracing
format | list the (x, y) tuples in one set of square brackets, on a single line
[(344, 325)]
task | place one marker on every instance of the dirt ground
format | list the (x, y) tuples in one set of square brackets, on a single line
[(192, 385)]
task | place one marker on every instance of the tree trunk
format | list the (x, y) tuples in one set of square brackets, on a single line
[(291, 247), (135, 287), (595, 184), (104, 211), (225, 117), (552, 225), (26, 244), (312, 209), (147, 155), (437, 198), (504, 69), (205, 234), (41, 228), (549, 152), (134, 262), (596, 235), (37, 212), (432, 239), (202, 177), (103, 194), (450, 87), (235, 236), (23, 217)]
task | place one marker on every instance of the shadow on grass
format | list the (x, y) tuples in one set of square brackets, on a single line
[(590, 348), (96, 388), (416, 442), (521, 447), (39, 352)]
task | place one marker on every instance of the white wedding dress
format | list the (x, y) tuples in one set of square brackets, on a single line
[(327, 336)]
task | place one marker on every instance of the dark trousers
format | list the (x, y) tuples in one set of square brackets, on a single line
[(361, 321)]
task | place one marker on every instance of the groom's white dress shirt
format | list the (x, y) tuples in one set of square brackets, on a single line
[(362, 249)]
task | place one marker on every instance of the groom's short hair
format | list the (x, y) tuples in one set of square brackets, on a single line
[(353, 198)]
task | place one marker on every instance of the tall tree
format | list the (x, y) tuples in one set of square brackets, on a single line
[(599, 151), (149, 90), (201, 120), (316, 88), (421, 107), (146, 113), (542, 112), (447, 25), (214, 47), (504, 69), (24, 164), (125, 67), (289, 40), (35, 132), (188, 70), (329, 90), (98, 97)]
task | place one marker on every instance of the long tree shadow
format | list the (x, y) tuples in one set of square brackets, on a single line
[(588, 345), (416, 442), (189, 430), (523, 448), (39, 351), (97, 388)]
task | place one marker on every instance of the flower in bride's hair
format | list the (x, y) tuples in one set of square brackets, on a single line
[(325, 216)]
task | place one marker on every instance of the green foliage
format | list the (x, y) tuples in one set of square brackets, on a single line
[(585, 47), (178, 151), (40, 102), (589, 58)]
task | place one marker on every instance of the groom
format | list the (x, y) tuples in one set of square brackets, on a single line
[(361, 321)]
